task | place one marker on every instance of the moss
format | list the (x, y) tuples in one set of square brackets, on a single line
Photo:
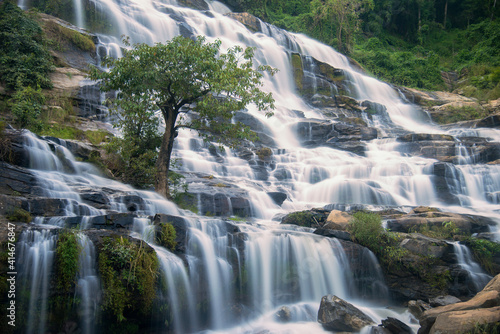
[(304, 218), (484, 252), (298, 70), (264, 153), (459, 114), (67, 251), (62, 36), (167, 235), (19, 215), (447, 230), (96, 137), (128, 271)]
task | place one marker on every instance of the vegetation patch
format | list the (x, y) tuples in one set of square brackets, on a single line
[(67, 252), (166, 236), (60, 37), (304, 218), (447, 230), (128, 271), (24, 58), (484, 252), (19, 215)]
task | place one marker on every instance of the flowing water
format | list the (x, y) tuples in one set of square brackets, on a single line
[(265, 266), (478, 278)]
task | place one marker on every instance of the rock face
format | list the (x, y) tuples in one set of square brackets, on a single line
[(336, 314), (430, 218), (483, 309)]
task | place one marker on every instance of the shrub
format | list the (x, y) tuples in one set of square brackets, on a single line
[(24, 58), (167, 235), (27, 104), (128, 271), (366, 228)]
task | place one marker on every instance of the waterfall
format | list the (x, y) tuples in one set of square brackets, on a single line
[(88, 285), (478, 278), (236, 276), (35, 251)]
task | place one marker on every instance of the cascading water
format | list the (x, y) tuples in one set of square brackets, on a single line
[(267, 265), (36, 254), (88, 285), (478, 278)]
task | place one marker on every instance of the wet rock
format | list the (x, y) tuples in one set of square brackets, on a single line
[(443, 300), (307, 218), (338, 220), (195, 4), (464, 224), (396, 326), (326, 232), (181, 228), (484, 308), (336, 314), (492, 121), (15, 180), (418, 307), (425, 246), (248, 20), (284, 314), (278, 197)]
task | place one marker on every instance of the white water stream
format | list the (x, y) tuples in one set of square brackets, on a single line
[(279, 265)]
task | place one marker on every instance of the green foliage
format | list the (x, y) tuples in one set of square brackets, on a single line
[(128, 273), (485, 328), (169, 77), (484, 251), (19, 215), (96, 137), (366, 228), (24, 59), (60, 36), (67, 252), (167, 235), (303, 218), (447, 230), (27, 105)]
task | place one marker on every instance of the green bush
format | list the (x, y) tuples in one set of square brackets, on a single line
[(167, 235), (24, 58), (484, 251), (128, 271), (27, 105), (366, 229)]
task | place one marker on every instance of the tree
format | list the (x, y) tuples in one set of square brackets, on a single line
[(344, 15), (193, 85)]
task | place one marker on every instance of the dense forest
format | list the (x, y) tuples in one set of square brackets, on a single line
[(406, 42)]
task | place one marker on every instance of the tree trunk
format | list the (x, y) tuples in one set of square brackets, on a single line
[(445, 12), (163, 162)]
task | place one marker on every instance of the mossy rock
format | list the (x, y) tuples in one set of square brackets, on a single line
[(129, 272), (305, 218)]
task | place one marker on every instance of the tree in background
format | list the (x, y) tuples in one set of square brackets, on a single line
[(344, 15), (193, 85)]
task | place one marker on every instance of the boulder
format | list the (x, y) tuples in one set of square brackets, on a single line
[(278, 197), (426, 246), (418, 307), (335, 314), (467, 321), (484, 308), (337, 220), (284, 314), (248, 20), (443, 300), (396, 326)]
